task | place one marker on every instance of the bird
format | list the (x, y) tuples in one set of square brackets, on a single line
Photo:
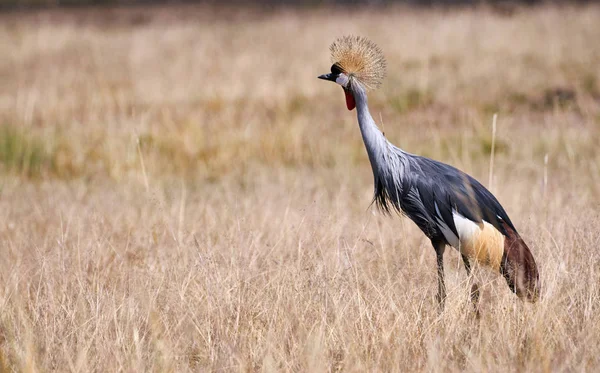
[(449, 206)]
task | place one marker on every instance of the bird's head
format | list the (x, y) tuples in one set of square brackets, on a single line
[(358, 64)]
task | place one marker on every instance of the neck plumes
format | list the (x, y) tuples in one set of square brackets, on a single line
[(388, 162)]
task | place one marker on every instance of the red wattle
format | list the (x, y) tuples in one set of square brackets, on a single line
[(350, 103)]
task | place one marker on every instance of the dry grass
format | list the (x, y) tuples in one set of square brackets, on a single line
[(246, 242)]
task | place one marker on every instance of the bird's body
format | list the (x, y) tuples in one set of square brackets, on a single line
[(449, 206), (446, 204)]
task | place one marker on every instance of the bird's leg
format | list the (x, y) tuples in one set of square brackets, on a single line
[(474, 287), (439, 252)]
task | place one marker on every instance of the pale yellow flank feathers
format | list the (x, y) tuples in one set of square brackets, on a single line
[(485, 245), (360, 59)]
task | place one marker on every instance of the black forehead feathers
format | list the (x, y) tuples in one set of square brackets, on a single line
[(335, 69)]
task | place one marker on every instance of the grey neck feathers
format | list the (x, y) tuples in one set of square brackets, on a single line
[(389, 163), (376, 144)]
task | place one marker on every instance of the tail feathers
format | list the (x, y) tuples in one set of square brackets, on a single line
[(518, 267)]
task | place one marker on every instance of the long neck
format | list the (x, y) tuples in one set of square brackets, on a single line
[(375, 142)]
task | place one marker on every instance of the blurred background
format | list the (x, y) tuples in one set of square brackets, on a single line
[(179, 192), (53, 3), (28, 3)]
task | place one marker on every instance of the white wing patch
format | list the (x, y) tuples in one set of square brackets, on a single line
[(480, 242), (466, 228), (484, 244)]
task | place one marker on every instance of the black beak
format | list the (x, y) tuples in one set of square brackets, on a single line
[(330, 77)]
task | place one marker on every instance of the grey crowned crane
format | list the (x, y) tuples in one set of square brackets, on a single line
[(449, 206)]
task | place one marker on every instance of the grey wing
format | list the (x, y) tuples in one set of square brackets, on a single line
[(443, 190)]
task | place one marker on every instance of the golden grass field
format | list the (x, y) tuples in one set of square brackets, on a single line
[(179, 192)]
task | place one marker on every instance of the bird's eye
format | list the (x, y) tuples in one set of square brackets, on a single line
[(335, 69)]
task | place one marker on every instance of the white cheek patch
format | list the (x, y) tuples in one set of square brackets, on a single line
[(342, 80)]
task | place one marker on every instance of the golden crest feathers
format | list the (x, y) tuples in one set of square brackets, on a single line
[(360, 59)]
